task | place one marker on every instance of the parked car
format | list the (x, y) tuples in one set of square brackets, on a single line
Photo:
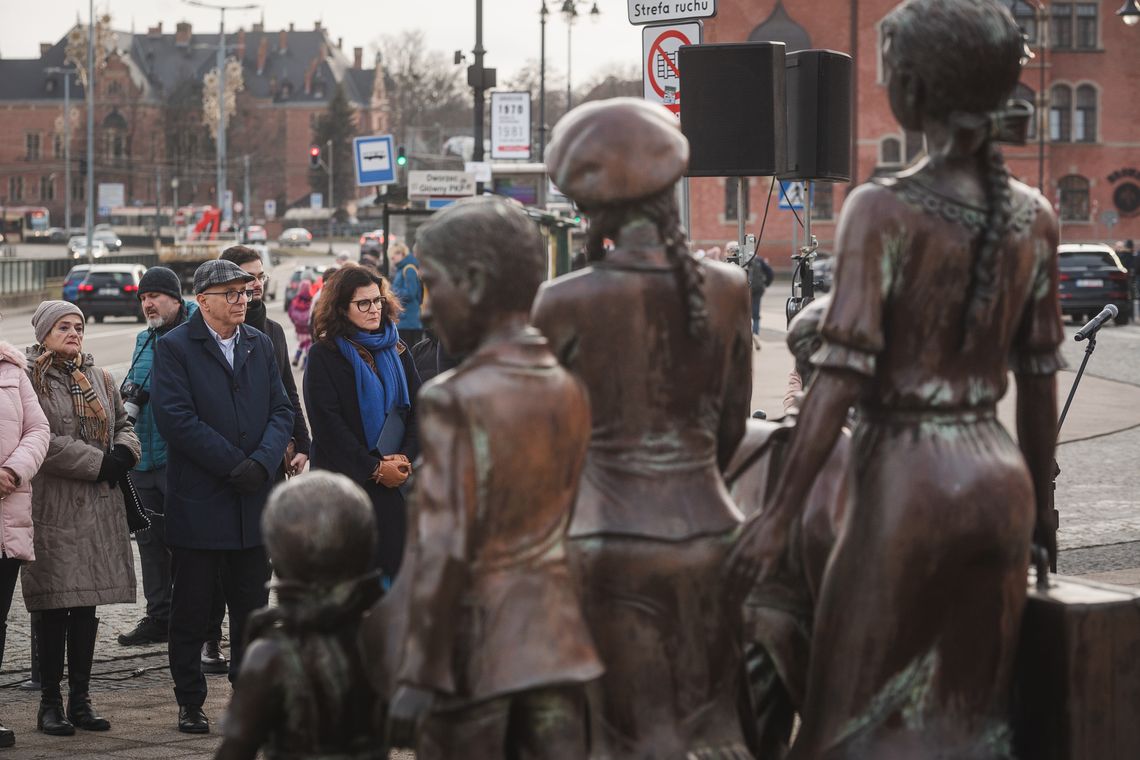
[(111, 290), (110, 239), (1091, 276), (298, 236), (306, 272), (255, 233), (372, 242), (72, 280), (77, 246)]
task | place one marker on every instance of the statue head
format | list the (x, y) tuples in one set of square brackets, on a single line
[(319, 529), (481, 260), (947, 56), (804, 339)]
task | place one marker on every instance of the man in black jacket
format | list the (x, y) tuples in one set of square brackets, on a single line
[(219, 403)]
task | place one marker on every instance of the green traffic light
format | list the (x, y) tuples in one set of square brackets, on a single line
[(401, 158)]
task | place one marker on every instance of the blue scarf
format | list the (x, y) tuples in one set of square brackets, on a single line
[(377, 395)]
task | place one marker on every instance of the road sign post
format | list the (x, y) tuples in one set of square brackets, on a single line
[(372, 158), (661, 80)]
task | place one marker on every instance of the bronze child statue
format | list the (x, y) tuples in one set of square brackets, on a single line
[(662, 343), (946, 278), (496, 650), (302, 692)]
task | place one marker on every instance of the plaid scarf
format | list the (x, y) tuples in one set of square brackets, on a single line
[(92, 416)]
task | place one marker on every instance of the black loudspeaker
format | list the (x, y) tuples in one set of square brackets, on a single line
[(819, 116), (732, 108)]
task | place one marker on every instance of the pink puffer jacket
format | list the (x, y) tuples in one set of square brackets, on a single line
[(24, 436)]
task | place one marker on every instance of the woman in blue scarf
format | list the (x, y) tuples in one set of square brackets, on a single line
[(360, 388)]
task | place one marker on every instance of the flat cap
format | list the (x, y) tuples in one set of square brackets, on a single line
[(616, 150), (218, 272)]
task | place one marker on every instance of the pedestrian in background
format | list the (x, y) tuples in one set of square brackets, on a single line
[(24, 433), (160, 294), (760, 276), (85, 559), (409, 288), (221, 407), (300, 313), (359, 372)]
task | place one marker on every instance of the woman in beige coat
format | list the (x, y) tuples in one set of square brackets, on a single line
[(23, 444), (83, 554)]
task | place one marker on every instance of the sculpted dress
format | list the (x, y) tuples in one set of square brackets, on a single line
[(918, 615), (653, 519)]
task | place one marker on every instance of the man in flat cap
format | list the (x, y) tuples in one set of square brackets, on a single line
[(219, 403)]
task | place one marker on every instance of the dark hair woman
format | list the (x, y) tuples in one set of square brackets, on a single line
[(946, 278), (360, 389)]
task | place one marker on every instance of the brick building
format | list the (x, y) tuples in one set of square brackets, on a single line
[(1084, 151), (148, 117)]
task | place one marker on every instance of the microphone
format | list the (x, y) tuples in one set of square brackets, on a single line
[(1109, 312)]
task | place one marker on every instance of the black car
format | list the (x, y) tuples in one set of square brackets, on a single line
[(1091, 276), (111, 290)]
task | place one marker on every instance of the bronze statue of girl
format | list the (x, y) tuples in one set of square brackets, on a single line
[(946, 279)]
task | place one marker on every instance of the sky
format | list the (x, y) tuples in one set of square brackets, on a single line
[(510, 27)]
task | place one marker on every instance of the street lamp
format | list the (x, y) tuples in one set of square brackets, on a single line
[(1129, 13), (570, 12), (542, 14), (221, 136)]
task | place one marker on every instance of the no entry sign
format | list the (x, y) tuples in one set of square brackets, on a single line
[(659, 45)]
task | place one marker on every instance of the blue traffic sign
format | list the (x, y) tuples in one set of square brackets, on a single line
[(792, 195), (438, 203), (373, 159)]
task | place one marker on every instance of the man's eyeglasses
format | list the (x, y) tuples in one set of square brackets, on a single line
[(367, 304), (262, 278), (232, 296)]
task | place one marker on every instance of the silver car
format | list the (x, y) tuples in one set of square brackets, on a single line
[(77, 247)]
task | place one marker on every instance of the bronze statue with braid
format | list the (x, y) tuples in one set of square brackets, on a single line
[(946, 279), (662, 344)]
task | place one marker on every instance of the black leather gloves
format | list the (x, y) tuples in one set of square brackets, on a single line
[(248, 477), (115, 465)]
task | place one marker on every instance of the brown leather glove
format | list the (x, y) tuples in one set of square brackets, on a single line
[(392, 470)]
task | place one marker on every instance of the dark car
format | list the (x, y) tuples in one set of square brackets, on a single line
[(310, 273), (111, 290), (71, 282), (1091, 276)]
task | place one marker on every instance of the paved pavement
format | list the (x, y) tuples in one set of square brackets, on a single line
[(1096, 495)]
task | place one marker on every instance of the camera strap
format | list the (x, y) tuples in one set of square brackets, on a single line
[(135, 358)]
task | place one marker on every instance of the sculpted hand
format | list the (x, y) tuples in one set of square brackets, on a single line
[(392, 471), (7, 482), (758, 554), (410, 705)]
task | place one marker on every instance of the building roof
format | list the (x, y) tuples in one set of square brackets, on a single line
[(283, 66)]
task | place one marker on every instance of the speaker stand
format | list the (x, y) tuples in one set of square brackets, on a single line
[(742, 184)]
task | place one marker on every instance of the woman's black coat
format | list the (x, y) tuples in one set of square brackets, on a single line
[(339, 445)]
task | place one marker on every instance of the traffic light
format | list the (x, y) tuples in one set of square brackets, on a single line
[(401, 157), (314, 156)]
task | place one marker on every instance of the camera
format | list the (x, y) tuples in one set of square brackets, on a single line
[(135, 397)]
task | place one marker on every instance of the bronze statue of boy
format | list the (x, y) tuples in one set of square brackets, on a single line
[(496, 650), (302, 692)]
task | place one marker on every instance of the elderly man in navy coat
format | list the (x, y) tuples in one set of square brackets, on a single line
[(220, 404)]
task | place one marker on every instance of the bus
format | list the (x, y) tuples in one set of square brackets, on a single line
[(22, 224)]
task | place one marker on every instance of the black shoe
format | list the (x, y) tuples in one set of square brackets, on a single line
[(51, 720), (191, 720), (82, 714), (148, 631), (7, 736), (213, 661)]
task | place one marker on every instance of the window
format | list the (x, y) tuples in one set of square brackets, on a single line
[(57, 146), (1062, 26), (890, 152), (1086, 26), (15, 189), (1074, 198), (47, 188), (822, 200), (1060, 116), (1022, 92), (1026, 17), (78, 186), (1084, 118), (730, 186), (114, 87), (32, 146)]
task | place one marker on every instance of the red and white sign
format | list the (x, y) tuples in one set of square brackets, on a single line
[(659, 45)]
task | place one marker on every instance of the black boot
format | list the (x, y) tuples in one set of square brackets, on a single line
[(51, 635), (80, 654), (7, 737)]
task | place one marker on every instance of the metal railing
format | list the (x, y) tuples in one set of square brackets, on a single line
[(31, 275)]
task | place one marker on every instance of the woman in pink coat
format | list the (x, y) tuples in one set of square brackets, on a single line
[(23, 446)]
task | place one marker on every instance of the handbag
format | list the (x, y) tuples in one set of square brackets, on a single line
[(132, 505)]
